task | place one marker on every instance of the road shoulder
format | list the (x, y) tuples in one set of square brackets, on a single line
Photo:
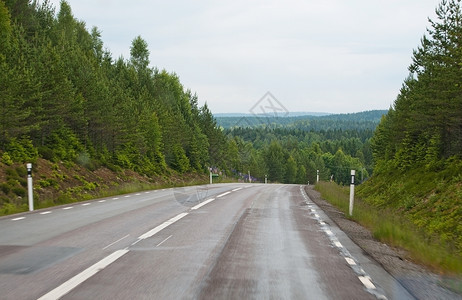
[(418, 281)]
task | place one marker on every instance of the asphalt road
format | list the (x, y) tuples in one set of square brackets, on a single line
[(221, 241)]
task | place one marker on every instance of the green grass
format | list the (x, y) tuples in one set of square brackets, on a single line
[(392, 227), (80, 193)]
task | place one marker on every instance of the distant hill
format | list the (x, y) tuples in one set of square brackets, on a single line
[(290, 114), (303, 121)]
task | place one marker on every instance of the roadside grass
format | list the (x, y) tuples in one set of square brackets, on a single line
[(120, 189), (395, 229)]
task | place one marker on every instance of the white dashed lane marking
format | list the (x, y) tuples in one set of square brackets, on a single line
[(350, 261), (224, 194), (367, 282)]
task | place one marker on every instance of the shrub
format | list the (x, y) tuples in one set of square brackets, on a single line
[(11, 173), (5, 188), (21, 171), (6, 159), (19, 191), (21, 150)]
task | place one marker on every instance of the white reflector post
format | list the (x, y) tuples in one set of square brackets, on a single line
[(352, 191), (30, 192)]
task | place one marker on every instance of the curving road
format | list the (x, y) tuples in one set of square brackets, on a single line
[(221, 241)]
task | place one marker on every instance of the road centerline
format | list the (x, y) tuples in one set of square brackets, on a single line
[(162, 226), (224, 194), (202, 204)]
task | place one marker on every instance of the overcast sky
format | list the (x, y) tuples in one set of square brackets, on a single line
[(333, 56)]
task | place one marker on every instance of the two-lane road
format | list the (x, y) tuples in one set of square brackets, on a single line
[(222, 241)]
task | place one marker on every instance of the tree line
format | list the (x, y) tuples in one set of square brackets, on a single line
[(65, 98), (417, 146), (295, 156), (366, 120), (424, 126)]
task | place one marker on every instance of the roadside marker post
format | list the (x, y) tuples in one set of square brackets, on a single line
[(30, 192), (211, 177), (317, 176), (352, 191)]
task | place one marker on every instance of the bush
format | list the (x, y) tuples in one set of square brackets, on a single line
[(5, 188), (21, 171), (6, 159), (19, 191), (21, 150), (9, 208)]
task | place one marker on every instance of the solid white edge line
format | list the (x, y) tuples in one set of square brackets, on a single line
[(72, 283), (367, 282), (162, 226), (202, 204), (224, 194)]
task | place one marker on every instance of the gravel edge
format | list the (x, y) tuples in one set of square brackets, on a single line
[(420, 282)]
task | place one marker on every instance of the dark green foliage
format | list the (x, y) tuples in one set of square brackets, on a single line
[(19, 191), (294, 156), (64, 98), (417, 147), (5, 188), (356, 121), (425, 123)]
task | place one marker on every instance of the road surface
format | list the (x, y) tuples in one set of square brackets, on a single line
[(221, 241)]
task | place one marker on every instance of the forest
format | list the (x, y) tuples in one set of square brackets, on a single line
[(65, 100), (78, 113), (417, 146), (351, 121)]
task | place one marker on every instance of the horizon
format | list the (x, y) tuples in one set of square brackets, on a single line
[(293, 114)]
